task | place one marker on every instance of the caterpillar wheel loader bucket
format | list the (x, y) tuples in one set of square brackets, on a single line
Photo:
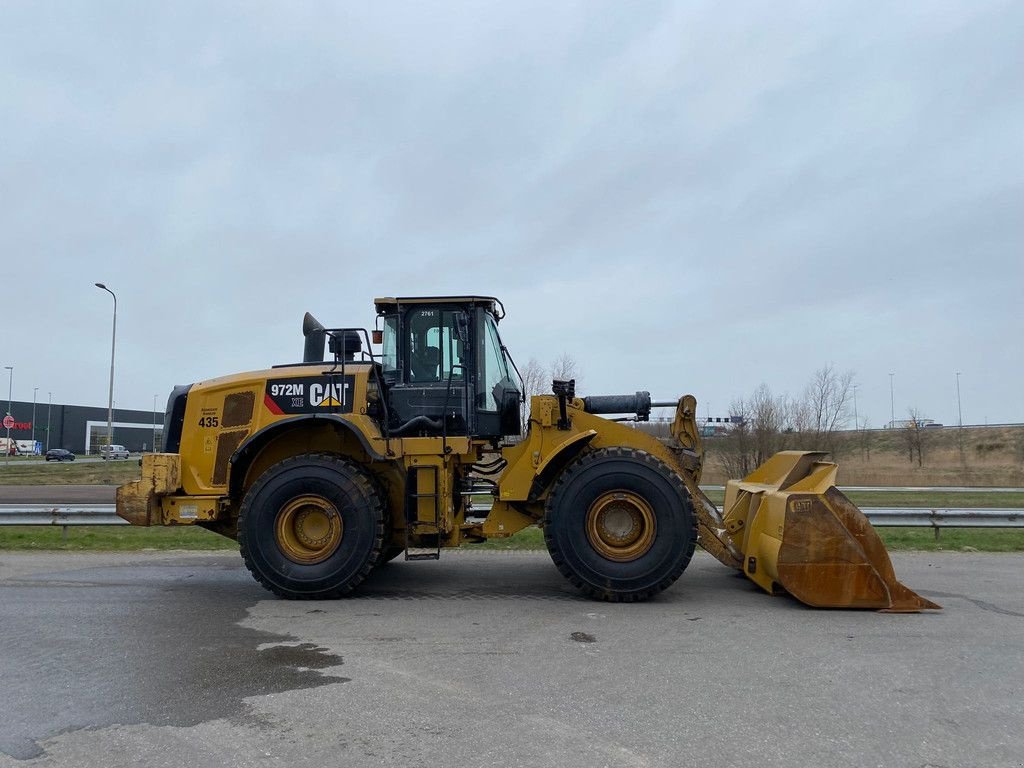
[(797, 531)]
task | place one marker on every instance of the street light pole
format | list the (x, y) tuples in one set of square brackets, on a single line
[(10, 389), (959, 412), (49, 403), (959, 417), (34, 390), (856, 421), (892, 404), (110, 397), (154, 423)]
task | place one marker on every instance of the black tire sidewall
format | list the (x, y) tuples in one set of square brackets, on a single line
[(390, 553), (345, 486), (566, 526)]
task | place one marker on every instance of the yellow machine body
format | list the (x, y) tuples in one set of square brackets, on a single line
[(785, 525)]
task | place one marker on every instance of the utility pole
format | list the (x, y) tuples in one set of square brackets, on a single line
[(154, 423), (959, 412), (49, 404), (959, 417), (856, 421), (892, 404), (10, 389), (34, 390), (110, 397)]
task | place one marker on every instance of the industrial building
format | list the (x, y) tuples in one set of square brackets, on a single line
[(83, 429)]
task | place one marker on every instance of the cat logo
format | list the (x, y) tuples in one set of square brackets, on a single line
[(329, 395), (309, 394)]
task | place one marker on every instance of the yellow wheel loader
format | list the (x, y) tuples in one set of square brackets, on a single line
[(326, 469)]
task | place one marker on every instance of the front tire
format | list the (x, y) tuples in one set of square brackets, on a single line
[(311, 527), (620, 525), (390, 553)]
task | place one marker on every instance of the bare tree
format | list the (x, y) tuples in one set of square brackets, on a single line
[(864, 434), (737, 446), (534, 379), (565, 367), (826, 405), (534, 383), (800, 416), (913, 433), (768, 416)]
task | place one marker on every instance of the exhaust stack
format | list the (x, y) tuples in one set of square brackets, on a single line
[(313, 350)]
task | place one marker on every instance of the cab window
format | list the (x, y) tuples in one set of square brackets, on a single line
[(435, 350), (494, 366), (389, 349)]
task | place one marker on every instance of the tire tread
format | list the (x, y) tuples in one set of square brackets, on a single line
[(559, 559), (360, 478)]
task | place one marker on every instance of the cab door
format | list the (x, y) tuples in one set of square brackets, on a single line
[(497, 395)]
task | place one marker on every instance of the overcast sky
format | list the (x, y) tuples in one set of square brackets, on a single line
[(688, 197)]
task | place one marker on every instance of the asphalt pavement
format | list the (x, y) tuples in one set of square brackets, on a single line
[(492, 659), (57, 494)]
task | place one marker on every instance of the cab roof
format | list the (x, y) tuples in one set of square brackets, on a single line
[(490, 303)]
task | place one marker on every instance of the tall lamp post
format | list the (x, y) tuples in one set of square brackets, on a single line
[(110, 397), (154, 423), (959, 417), (10, 389), (892, 404), (959, 412), (49, 404), (34, 390), (856, 421)]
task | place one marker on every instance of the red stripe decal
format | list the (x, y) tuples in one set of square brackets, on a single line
[(273, 407)]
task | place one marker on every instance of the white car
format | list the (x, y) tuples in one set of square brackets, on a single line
[(113, 452)]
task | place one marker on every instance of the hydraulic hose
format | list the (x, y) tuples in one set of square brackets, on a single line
[(418, 422)]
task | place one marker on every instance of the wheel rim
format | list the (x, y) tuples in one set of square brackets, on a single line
[(621, 526), (308, 529)]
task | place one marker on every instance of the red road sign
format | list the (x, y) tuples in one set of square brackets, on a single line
[(8, 421)]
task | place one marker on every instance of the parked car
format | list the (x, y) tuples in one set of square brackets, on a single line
[(59, 454), (113, 452)]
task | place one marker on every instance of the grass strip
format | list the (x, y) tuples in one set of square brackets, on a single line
[(124, 538), (109, 538), (71, 473)]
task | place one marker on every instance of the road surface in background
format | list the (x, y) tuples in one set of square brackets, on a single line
[(493, 659), (57, 494), (78, 460)]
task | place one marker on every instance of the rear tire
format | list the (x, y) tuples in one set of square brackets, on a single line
[(311, 527), (620, 525)]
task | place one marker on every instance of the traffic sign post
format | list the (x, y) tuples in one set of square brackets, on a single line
[(8, 423)]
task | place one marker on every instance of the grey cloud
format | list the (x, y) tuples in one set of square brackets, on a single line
[(686, 196)]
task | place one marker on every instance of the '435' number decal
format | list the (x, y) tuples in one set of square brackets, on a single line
[(208, 421)]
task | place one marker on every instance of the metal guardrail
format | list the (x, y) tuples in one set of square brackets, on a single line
[(906, 489), (910, 517), (906, 517), (59, 514)]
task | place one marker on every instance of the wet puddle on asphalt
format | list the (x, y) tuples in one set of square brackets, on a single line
[(148, 649)]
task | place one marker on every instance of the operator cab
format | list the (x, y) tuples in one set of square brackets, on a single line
[(445, 369)]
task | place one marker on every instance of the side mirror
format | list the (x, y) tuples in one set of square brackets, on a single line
[(377, 336)]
